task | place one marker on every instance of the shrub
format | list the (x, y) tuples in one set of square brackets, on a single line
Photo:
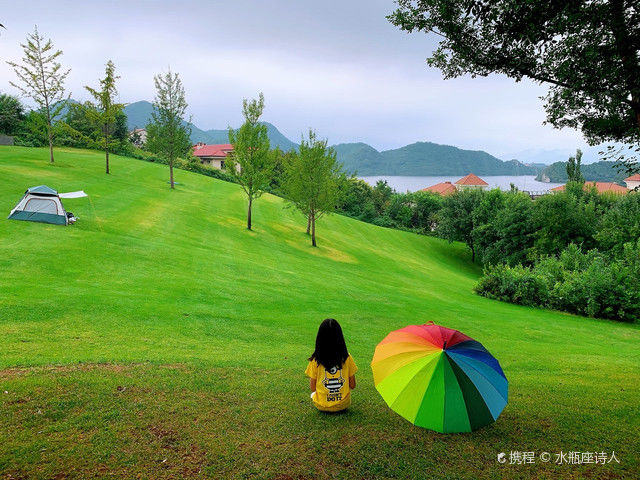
[(516, 284), (588, 283)]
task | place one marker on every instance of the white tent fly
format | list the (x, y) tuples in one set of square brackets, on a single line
[(78, 194)]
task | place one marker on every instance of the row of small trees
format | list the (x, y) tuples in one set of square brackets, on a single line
[(309, 178), (41, 78)]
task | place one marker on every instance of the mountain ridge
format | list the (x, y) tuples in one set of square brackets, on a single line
[(416, 159), (425, 159), (603, 171), (139, 114)]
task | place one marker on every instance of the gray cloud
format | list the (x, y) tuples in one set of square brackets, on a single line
[(336, 66)]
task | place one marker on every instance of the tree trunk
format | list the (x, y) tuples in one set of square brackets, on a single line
[(249, 214), (313, 230), (50, 141), (46, 103), (171, 173), (308, 224), (473, 254), (106, 152)]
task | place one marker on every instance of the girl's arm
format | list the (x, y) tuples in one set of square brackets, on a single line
[(312, 384), (352, 382)]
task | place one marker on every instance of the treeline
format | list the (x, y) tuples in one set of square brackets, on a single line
[(572, 250), (603, 171), (382, 206), (73, 126)]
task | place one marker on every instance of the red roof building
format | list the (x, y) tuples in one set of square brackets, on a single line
[(213, 155), (601, 187), (633, 181), (444, 188), (472, 180)]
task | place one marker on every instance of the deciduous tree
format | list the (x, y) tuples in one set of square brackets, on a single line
[(42, 78), (249, 163), (167, 134), (312, 182), (104, 111), (456, 218)]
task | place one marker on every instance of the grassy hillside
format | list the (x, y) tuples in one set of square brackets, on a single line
[(158, 338)]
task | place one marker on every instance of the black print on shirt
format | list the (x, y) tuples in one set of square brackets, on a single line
[(334, 385)]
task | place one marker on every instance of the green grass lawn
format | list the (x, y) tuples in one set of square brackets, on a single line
[(158, 338)]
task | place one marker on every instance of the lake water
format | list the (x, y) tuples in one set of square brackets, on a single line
[(413, 184)]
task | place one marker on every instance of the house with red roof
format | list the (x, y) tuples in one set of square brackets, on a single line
[(213, 155), (601, 187), (444, 188), (468, 182), (471, 182), (633, 181)]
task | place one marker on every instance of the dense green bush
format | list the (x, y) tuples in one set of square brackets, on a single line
[(517, 284), (384, 207), (455, 220), (620, 224), (414, 211), (588, 283)]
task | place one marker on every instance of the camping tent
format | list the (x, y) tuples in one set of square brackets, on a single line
[(40, 204)]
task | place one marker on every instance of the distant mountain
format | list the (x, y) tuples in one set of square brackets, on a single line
[(425, 159), (590, 154), (593, 172), (419, 159), (356, 155), (139, 114)]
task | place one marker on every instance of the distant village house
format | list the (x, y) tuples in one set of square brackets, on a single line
[(468, 182), (213, 155), (633, 181)]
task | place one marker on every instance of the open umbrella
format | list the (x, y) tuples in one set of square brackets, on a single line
[(439, 378)]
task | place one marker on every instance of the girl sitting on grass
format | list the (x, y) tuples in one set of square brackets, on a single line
[(331, 369)]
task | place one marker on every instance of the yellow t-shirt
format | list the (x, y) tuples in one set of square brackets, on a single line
[(332, 386)]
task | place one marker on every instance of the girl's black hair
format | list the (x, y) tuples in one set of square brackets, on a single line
[(331, 350)]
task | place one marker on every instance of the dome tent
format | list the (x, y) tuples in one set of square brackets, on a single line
[(40, 204)]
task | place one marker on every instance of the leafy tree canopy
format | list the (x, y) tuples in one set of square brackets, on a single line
[(587, 51), (11, 114)]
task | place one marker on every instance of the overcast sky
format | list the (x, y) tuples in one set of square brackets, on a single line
[(337, 66)]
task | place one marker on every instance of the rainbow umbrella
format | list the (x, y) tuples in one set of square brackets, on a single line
[(439, 378)]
